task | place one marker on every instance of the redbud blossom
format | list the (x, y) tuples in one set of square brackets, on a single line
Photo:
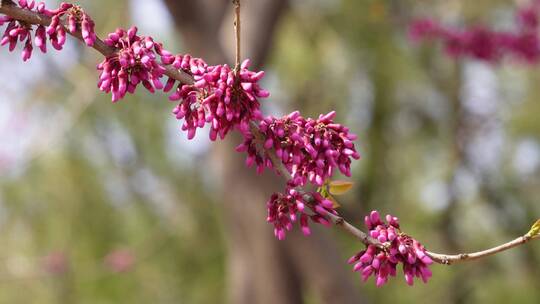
[(310, 149), (400, 248), (134, 62), (284, 209), (220, 96), (76, 20), (55, 31), (482, 43)]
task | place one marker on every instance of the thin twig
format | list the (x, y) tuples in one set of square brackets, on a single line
[(237, 31), (7, 8), (449, 259)]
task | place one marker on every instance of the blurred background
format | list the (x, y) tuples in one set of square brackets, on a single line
[(109, 203)]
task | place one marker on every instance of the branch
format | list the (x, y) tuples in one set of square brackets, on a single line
[(448, 259), (237, 31), (7, 8), (34, 18), (280, 168)]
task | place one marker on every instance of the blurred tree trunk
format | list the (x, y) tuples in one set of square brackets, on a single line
[(261, 269)]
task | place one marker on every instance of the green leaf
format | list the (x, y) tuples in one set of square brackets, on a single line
[(339, 187), (535, 230)]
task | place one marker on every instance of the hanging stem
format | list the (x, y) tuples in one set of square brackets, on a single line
[(237, 31)]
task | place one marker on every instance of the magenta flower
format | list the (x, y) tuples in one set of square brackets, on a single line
[(421, 29), (310, 149), (76, 20), (17, 31), (284, 209), (482, 43), (134, 62), (221, 97), (400, 248), (120, 260), (20, 31), (527, 17), (55, 32)]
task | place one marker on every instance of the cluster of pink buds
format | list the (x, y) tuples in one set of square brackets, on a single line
[(310, 149), (482, 43), (398, 248), (20, 31), (527, 16), (286, 209), (134, 62), (55, 32), (76, 18), (220, 96)]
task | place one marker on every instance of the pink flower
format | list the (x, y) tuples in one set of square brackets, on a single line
[(56, 263), (528, 17), (423, 29), (482, 43), (284, 209), (120, 260), (525, 46), (55, 32), (310, 149), (221, 97), (401, 248), (134, 62), (76, 20), (18, 31)]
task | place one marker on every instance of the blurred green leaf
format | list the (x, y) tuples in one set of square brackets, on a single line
[(535, 229), (339, 187)]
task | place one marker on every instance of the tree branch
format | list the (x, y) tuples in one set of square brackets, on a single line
[(238, 31), (35, 18), (7, 8), (462, 257), (255, 39)]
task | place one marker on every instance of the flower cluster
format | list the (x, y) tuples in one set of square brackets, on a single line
[(77, 20), (134, 62), (398, 248), (285, 209), (221, 96), (310, 149), (481, 43), (20, 31)]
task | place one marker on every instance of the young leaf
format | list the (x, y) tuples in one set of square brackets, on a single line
[(535, 229), (339, 187)]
